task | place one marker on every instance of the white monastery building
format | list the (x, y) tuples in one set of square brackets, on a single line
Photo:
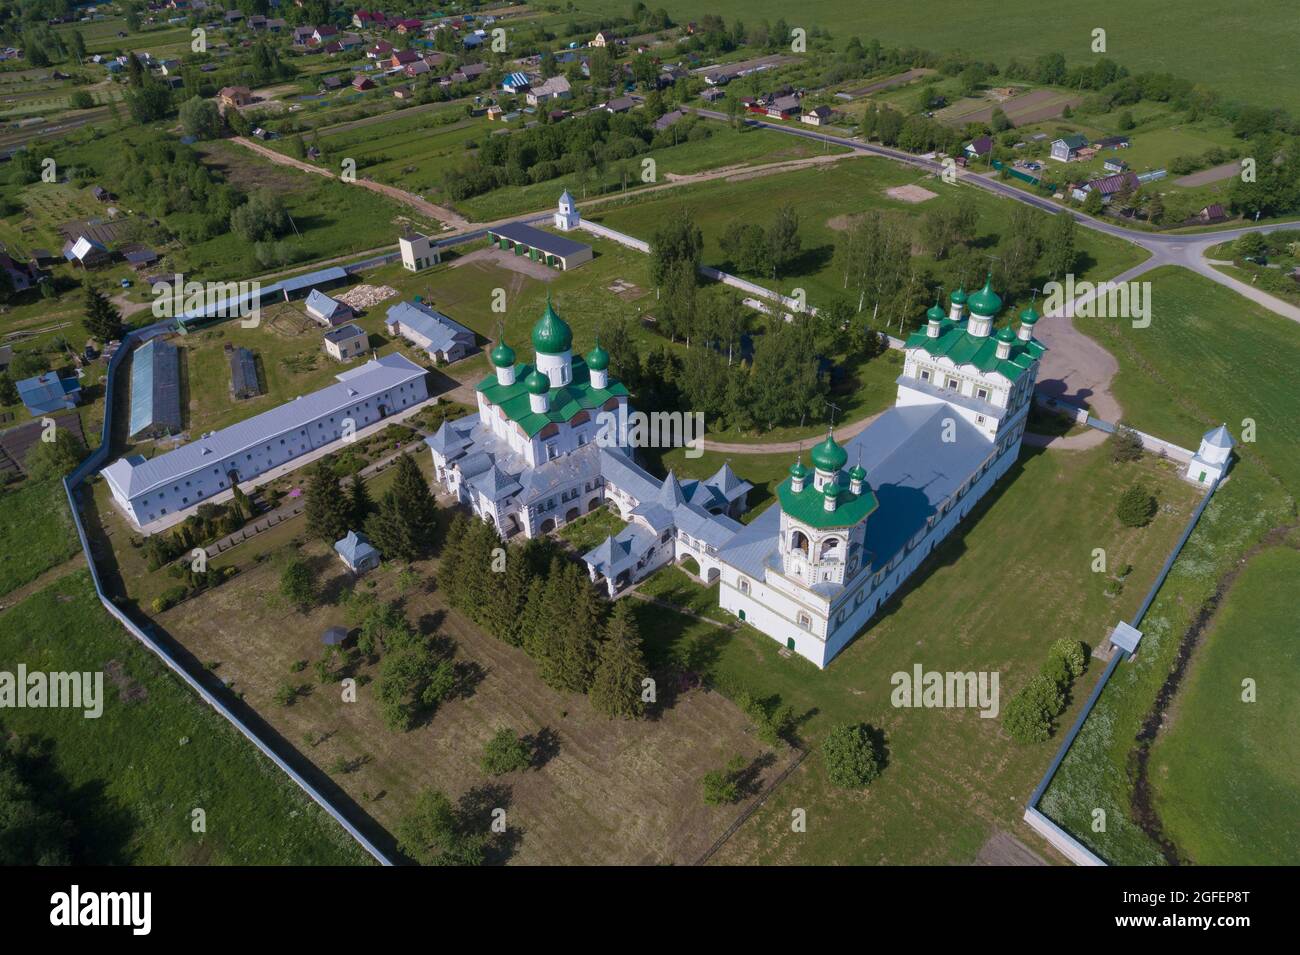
[(846, 531), (148, 489)]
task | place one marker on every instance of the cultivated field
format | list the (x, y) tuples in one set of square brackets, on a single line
[(1244, 51)]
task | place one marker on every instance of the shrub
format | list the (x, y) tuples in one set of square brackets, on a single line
[(1136, 506), (1056, 670), (722, 786), (1073, 653), (505, 753), (285, 694), (850, 756), (1029, 714), (1124, 445)]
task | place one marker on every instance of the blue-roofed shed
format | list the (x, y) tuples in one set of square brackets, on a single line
[(47, 393), (155, 390), (357, 553)]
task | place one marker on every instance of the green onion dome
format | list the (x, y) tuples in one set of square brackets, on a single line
[(958, 297), (1006, 334), (598, 358), (798, 471), (552, 334), (859, 473), (1029, 316), (831, 490), (537, 383), (503, 356), (936, 313), (829, 456), (986, 303)]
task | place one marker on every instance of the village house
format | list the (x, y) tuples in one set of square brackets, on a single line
[(346, 342), (441, 338), (234, 97), (557, 87), (357, 553), (817, 116), (326, 310), (1067, 148)]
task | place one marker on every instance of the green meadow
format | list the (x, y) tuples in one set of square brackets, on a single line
[(131, 780), (1244, 50), (1208, 356)]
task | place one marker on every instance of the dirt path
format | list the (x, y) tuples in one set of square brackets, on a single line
[(449, 219), (19, 594), (842, 434)]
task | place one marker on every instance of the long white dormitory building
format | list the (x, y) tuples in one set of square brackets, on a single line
[(148, 489)]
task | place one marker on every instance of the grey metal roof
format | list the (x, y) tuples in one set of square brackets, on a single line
[(615, 554), (537, 239), (354, 548), (313, 279), (1219, 437), (322, 304), (343, 333), (912, 470), (440, 331), (155, 388), (375, 377)]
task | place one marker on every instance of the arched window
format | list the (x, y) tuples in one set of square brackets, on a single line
[(799, 541), (830, 549)]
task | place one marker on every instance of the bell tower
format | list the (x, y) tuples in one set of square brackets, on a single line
[(824, 517)]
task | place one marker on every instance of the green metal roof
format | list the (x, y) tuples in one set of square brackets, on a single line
[(955, 343), (958, 297), (829, 456), (503, 356), (536, 383), (809, 505), (598, 358), (552, 334), (985, 302), (565, 402)]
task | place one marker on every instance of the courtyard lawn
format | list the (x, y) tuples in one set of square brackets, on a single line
[(1226, 771), (590, 529), (993, 598), (675, 586), (131, 779)]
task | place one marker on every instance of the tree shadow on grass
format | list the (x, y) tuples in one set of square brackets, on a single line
[(545, 746), (480, 811)]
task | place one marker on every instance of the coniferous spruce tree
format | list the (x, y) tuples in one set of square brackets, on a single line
[(532, 621), (620, 667), (389, 532), (507, 598), (103, 321), (450, 565), (579, 645), (359, 500), (327, 508), (417, 506)]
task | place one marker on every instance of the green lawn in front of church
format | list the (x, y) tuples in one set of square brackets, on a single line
[(1016, 576)]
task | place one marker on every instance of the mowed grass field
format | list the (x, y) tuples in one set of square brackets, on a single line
[(1245, 51), (1227, 771), (826, 198), (1208, 356), (610, 792), (1015, 577), (36, 533), (131, 779)]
